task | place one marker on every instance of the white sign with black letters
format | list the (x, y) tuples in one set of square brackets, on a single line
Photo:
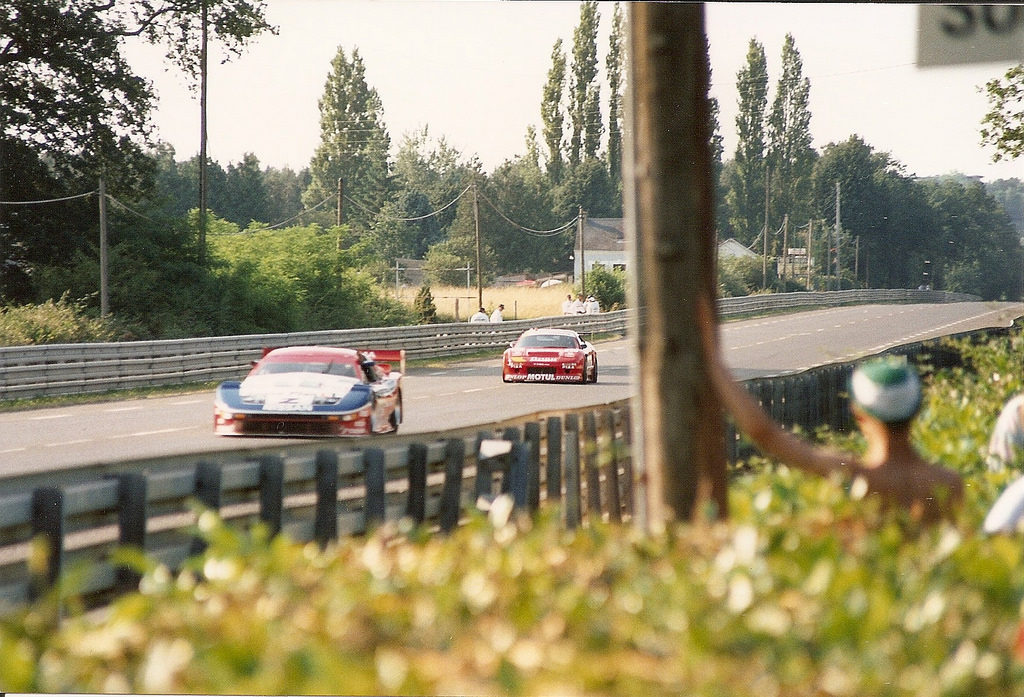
[(957, 34)]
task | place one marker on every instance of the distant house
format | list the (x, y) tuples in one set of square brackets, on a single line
[(734, 248), (604, 244)]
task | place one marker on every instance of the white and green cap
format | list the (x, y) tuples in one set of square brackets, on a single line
[(887, 388)]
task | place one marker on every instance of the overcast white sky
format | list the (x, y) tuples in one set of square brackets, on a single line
[(473, 72)]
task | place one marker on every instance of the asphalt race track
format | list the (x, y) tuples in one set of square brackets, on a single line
[(468, 393)]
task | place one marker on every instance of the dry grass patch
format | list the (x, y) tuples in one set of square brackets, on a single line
[(456, 304)]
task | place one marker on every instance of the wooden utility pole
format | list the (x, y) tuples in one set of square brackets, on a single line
[(839, 227), (764, 241), (785, 248), (583, 262), (476, 226), (810, 238), (679, 449), (203, 53), (340, 218), (104, 276), (341, 190)]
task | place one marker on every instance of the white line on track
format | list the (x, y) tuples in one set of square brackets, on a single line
[(148, 433), (67, 442), (189, 401), (48, 417), (118, 409), (13, 450)]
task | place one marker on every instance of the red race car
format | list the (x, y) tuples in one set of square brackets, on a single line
[(549, 355), (314, 391)]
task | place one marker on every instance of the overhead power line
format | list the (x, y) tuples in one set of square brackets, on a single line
[(48, 200)]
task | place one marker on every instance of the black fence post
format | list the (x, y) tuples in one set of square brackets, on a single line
[(590, 466), (553, 473), (531, 435), (272, 492), (375, 477), (612, 495), (571, 451), (518, 474), (416, 504), (626, 424), (132, 510), (208, 493), (48, 522), (325, 520), (451, 491), (484, 471)]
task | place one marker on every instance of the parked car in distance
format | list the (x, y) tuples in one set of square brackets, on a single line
[(313, 391), (549, 355)]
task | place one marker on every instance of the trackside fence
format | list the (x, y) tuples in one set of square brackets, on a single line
[(61, 369), (579, 460)]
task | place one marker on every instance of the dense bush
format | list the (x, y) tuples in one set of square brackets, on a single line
[(608, 286), (808, 590), (53, 322)]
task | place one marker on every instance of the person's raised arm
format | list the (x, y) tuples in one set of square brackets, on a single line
[(771, 438)]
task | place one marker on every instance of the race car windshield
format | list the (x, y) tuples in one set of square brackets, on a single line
[(331, 368), (548, 341)]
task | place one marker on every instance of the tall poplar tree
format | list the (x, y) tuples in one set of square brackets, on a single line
[(790, 154), (614, 65), (551, 114), (584, 90), (748, 176), (354, 143)]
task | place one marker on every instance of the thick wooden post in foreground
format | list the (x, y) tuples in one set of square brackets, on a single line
[(669, 213)]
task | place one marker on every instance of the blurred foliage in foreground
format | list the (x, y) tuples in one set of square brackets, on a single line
[(807, 590)]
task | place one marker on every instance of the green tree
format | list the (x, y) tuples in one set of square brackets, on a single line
[(1010, 194), (552, 115), (976, 248), (1003, 126), (747, 181), (887, 225), (354, 144), (790, 153), (523, 236), (614, 65), (584, 90), (426, 310), (245, 195)]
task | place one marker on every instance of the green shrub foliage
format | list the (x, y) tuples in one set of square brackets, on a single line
[(808, 590), (54, 322)]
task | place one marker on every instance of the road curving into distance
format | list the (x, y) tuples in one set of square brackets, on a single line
[(465, 393)]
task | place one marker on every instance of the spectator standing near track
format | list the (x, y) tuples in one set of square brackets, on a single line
[(577, 306), (592, 307), (567, 305), (479, 316), (497, 315)]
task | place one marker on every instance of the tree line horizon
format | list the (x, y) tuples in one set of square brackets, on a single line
[(894, 230)]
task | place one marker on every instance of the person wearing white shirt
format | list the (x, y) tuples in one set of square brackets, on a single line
[(496, 316), (592, 307), (577, 306), (567, 306), (479, 316), (1007, 440)]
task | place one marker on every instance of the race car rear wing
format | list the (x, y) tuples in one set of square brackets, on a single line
[(387, 359)]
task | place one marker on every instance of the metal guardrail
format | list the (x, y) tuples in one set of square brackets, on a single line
[(59, 369)]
